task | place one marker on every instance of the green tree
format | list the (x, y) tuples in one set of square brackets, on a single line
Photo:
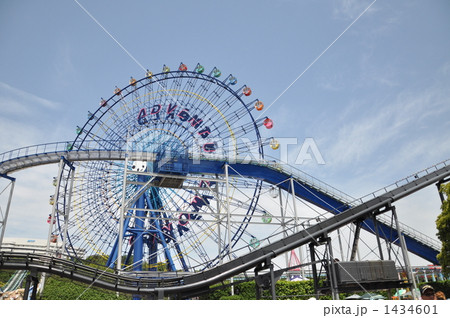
[(443, 228)]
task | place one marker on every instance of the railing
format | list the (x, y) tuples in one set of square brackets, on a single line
[(413, 233), (83, 272), (54, 147), (402, 182), (268, 162)]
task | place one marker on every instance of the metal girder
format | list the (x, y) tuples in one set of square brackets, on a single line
[(4, 215)]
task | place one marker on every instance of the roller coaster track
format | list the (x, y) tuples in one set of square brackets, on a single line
[(345, 208), (185, 286), (306, 186)]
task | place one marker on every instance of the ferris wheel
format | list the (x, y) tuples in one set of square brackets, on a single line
[(164, 209)]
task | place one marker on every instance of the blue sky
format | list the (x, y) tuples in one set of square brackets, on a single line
[(376, 103)]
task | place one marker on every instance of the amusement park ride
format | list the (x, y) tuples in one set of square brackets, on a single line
[(167, 185)]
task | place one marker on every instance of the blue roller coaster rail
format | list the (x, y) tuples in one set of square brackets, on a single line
[(306, 186)]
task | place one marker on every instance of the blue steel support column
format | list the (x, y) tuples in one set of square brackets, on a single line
[(160, 235)]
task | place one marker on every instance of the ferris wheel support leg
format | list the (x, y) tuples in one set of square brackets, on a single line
[(219, 240), (52, 219), (5, 217), (139, 240), (118, 258), (228, 210), (67, 208), (161, 237)]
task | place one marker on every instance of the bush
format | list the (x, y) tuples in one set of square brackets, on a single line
[(5, 275), (232, 297), (283, 290), (57, 288)]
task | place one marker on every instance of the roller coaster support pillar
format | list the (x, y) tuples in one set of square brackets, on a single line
[(5, 216), (332, 269), (312, 251), (266, 281), (329, 263), (377, 234), (409, 271), (283, 222), (31, 282), (355, 240), (300, 254)]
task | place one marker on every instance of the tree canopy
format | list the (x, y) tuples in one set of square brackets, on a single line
[(443, 228)]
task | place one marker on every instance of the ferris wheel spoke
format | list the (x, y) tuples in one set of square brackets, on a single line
[(178, 222)]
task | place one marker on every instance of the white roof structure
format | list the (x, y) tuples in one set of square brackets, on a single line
[(29, 245)]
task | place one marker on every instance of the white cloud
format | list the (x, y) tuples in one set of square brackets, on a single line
[(24, 117), (12, 97), (404, 122), (65, 70)]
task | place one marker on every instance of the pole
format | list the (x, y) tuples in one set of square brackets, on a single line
[(332, 270), (55, 203), (283, 223), (228, 210), (67, 208), (405, 253), (121, 218), (300, 254), (219, 240), (5, 218), (314, 269), (228, 220)]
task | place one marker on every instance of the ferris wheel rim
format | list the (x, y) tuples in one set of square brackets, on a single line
[(130, 88), (134, 87)]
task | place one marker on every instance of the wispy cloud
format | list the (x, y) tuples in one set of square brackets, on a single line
[(63, 64), (369, 134), (14, 100), (23, 116)]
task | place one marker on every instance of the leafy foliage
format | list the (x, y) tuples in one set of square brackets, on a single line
[(283, 290), (232, 297), (443, 227), (5, 275), (57, 288)]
